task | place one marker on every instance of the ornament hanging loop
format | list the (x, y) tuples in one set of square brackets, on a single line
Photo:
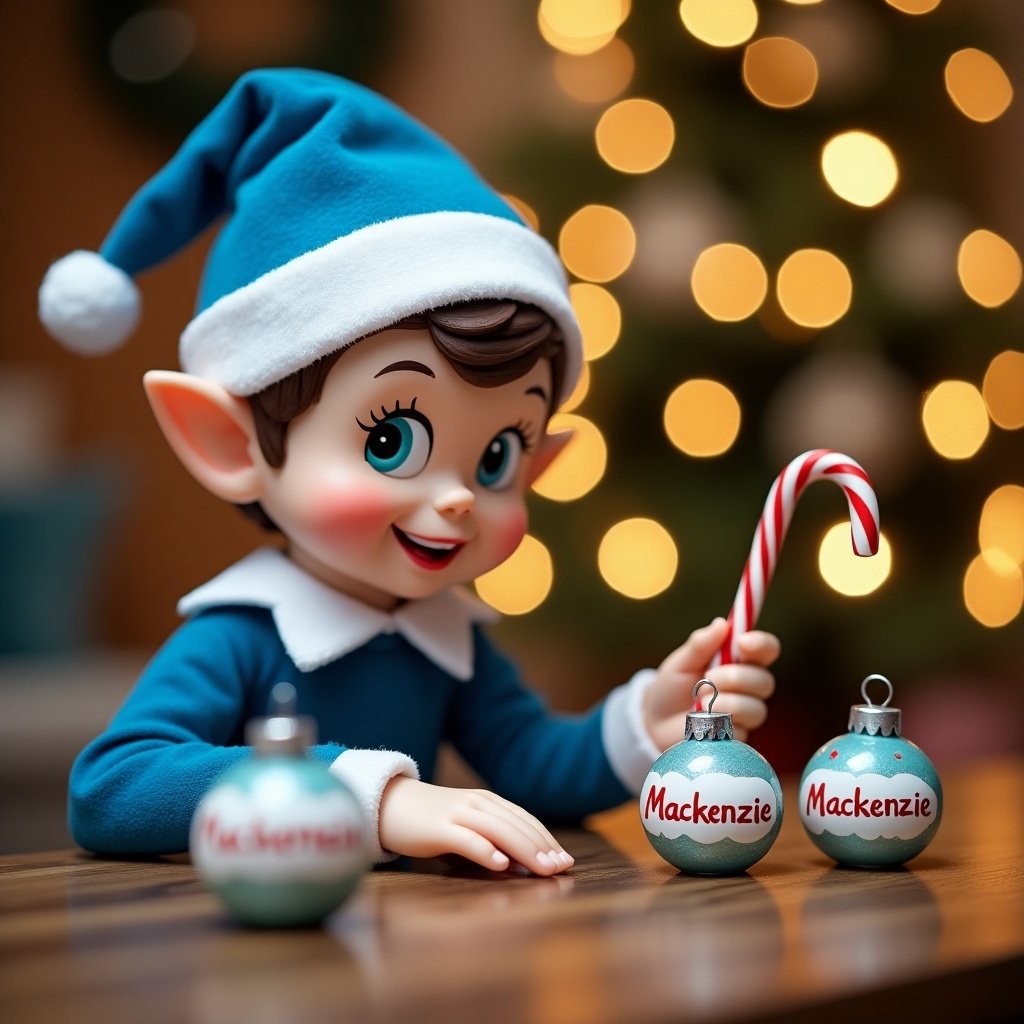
[(714, 695), (709, 724), (864, 690)]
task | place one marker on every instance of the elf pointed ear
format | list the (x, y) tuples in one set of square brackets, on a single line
[(550, 447), (210, 430)]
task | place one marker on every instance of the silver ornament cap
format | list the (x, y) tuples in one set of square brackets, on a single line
[(875, 719), (710, 724), (282, 731)]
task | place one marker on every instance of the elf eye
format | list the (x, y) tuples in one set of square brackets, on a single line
[(500, 461), (398, 444)]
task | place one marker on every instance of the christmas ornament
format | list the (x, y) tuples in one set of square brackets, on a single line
[(871, 798), (820, 464), (278, 838), (711, 805)]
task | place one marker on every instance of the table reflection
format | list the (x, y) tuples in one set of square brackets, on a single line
[(703, 942), (869, 926)]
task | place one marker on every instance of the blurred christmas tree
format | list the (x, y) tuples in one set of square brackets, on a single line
[(788, 225), (787, 206)]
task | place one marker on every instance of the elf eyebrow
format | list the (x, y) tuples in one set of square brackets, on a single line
[(539, 392), (405, 364)]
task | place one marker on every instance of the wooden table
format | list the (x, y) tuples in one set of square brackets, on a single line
[(622, 938)]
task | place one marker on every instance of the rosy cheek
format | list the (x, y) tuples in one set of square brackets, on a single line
[(354, 511), (510, 530)]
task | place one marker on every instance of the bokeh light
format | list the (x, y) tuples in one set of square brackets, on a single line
[(580, 26), (702, 418), (638, 558), (729, 282), (849, 399), (977, 85), (520, 583), (1002, 523), (676, 218), (993, 589), (859, 167), (597, 243), (527, 212), (581, 466), (151, 45), (912, 249), (780, 72), (600, 318), (989, 268), (955, 419), (719, 22), (596, 77), (847, 573), (914, 6), (579, 392), (814, 288), (635, 136), (1003, 390)]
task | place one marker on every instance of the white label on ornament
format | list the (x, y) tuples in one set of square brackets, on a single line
[(315, 836), (869, 806), (708, 809)]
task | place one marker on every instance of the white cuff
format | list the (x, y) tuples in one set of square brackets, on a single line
[(366, 773), (627, 744)]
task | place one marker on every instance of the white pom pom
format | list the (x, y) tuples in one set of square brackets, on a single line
[(88, 304)]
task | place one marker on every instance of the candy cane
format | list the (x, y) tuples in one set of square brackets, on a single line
[(820, 464)]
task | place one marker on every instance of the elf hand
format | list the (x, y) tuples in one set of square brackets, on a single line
[(421, 820), (743, 687)]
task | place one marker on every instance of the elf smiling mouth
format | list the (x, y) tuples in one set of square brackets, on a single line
[(427, 552)]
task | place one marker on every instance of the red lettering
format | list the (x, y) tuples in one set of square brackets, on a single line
[(816, 798), (700, 813), (655, 802), (258, 838), (860, 806)]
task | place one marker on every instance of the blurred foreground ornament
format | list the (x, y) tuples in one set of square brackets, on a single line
[(871, 798), (278, 838), (711, 805)]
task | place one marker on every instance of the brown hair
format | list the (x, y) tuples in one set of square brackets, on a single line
[(488, 343)]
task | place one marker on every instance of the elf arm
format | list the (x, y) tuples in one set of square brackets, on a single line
[(134, 789), (559, 767)]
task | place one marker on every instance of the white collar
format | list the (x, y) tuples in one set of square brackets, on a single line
[(318, 624)]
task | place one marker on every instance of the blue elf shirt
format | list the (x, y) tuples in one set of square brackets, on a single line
[(385, 689)]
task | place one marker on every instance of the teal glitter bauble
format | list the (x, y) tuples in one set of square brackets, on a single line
[(278, 838), (871, 798), (280, 841), (711, 805)]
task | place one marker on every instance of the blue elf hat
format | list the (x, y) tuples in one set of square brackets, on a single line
[(343, 215)]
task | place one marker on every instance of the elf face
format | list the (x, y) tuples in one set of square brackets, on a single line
[(405, 479)]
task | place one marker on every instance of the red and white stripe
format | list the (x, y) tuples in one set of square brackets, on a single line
[(820, 464)]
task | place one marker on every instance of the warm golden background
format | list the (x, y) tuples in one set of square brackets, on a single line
[(754, 280)]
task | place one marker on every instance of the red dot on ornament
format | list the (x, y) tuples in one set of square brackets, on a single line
[(899, 757), (834, 754)]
